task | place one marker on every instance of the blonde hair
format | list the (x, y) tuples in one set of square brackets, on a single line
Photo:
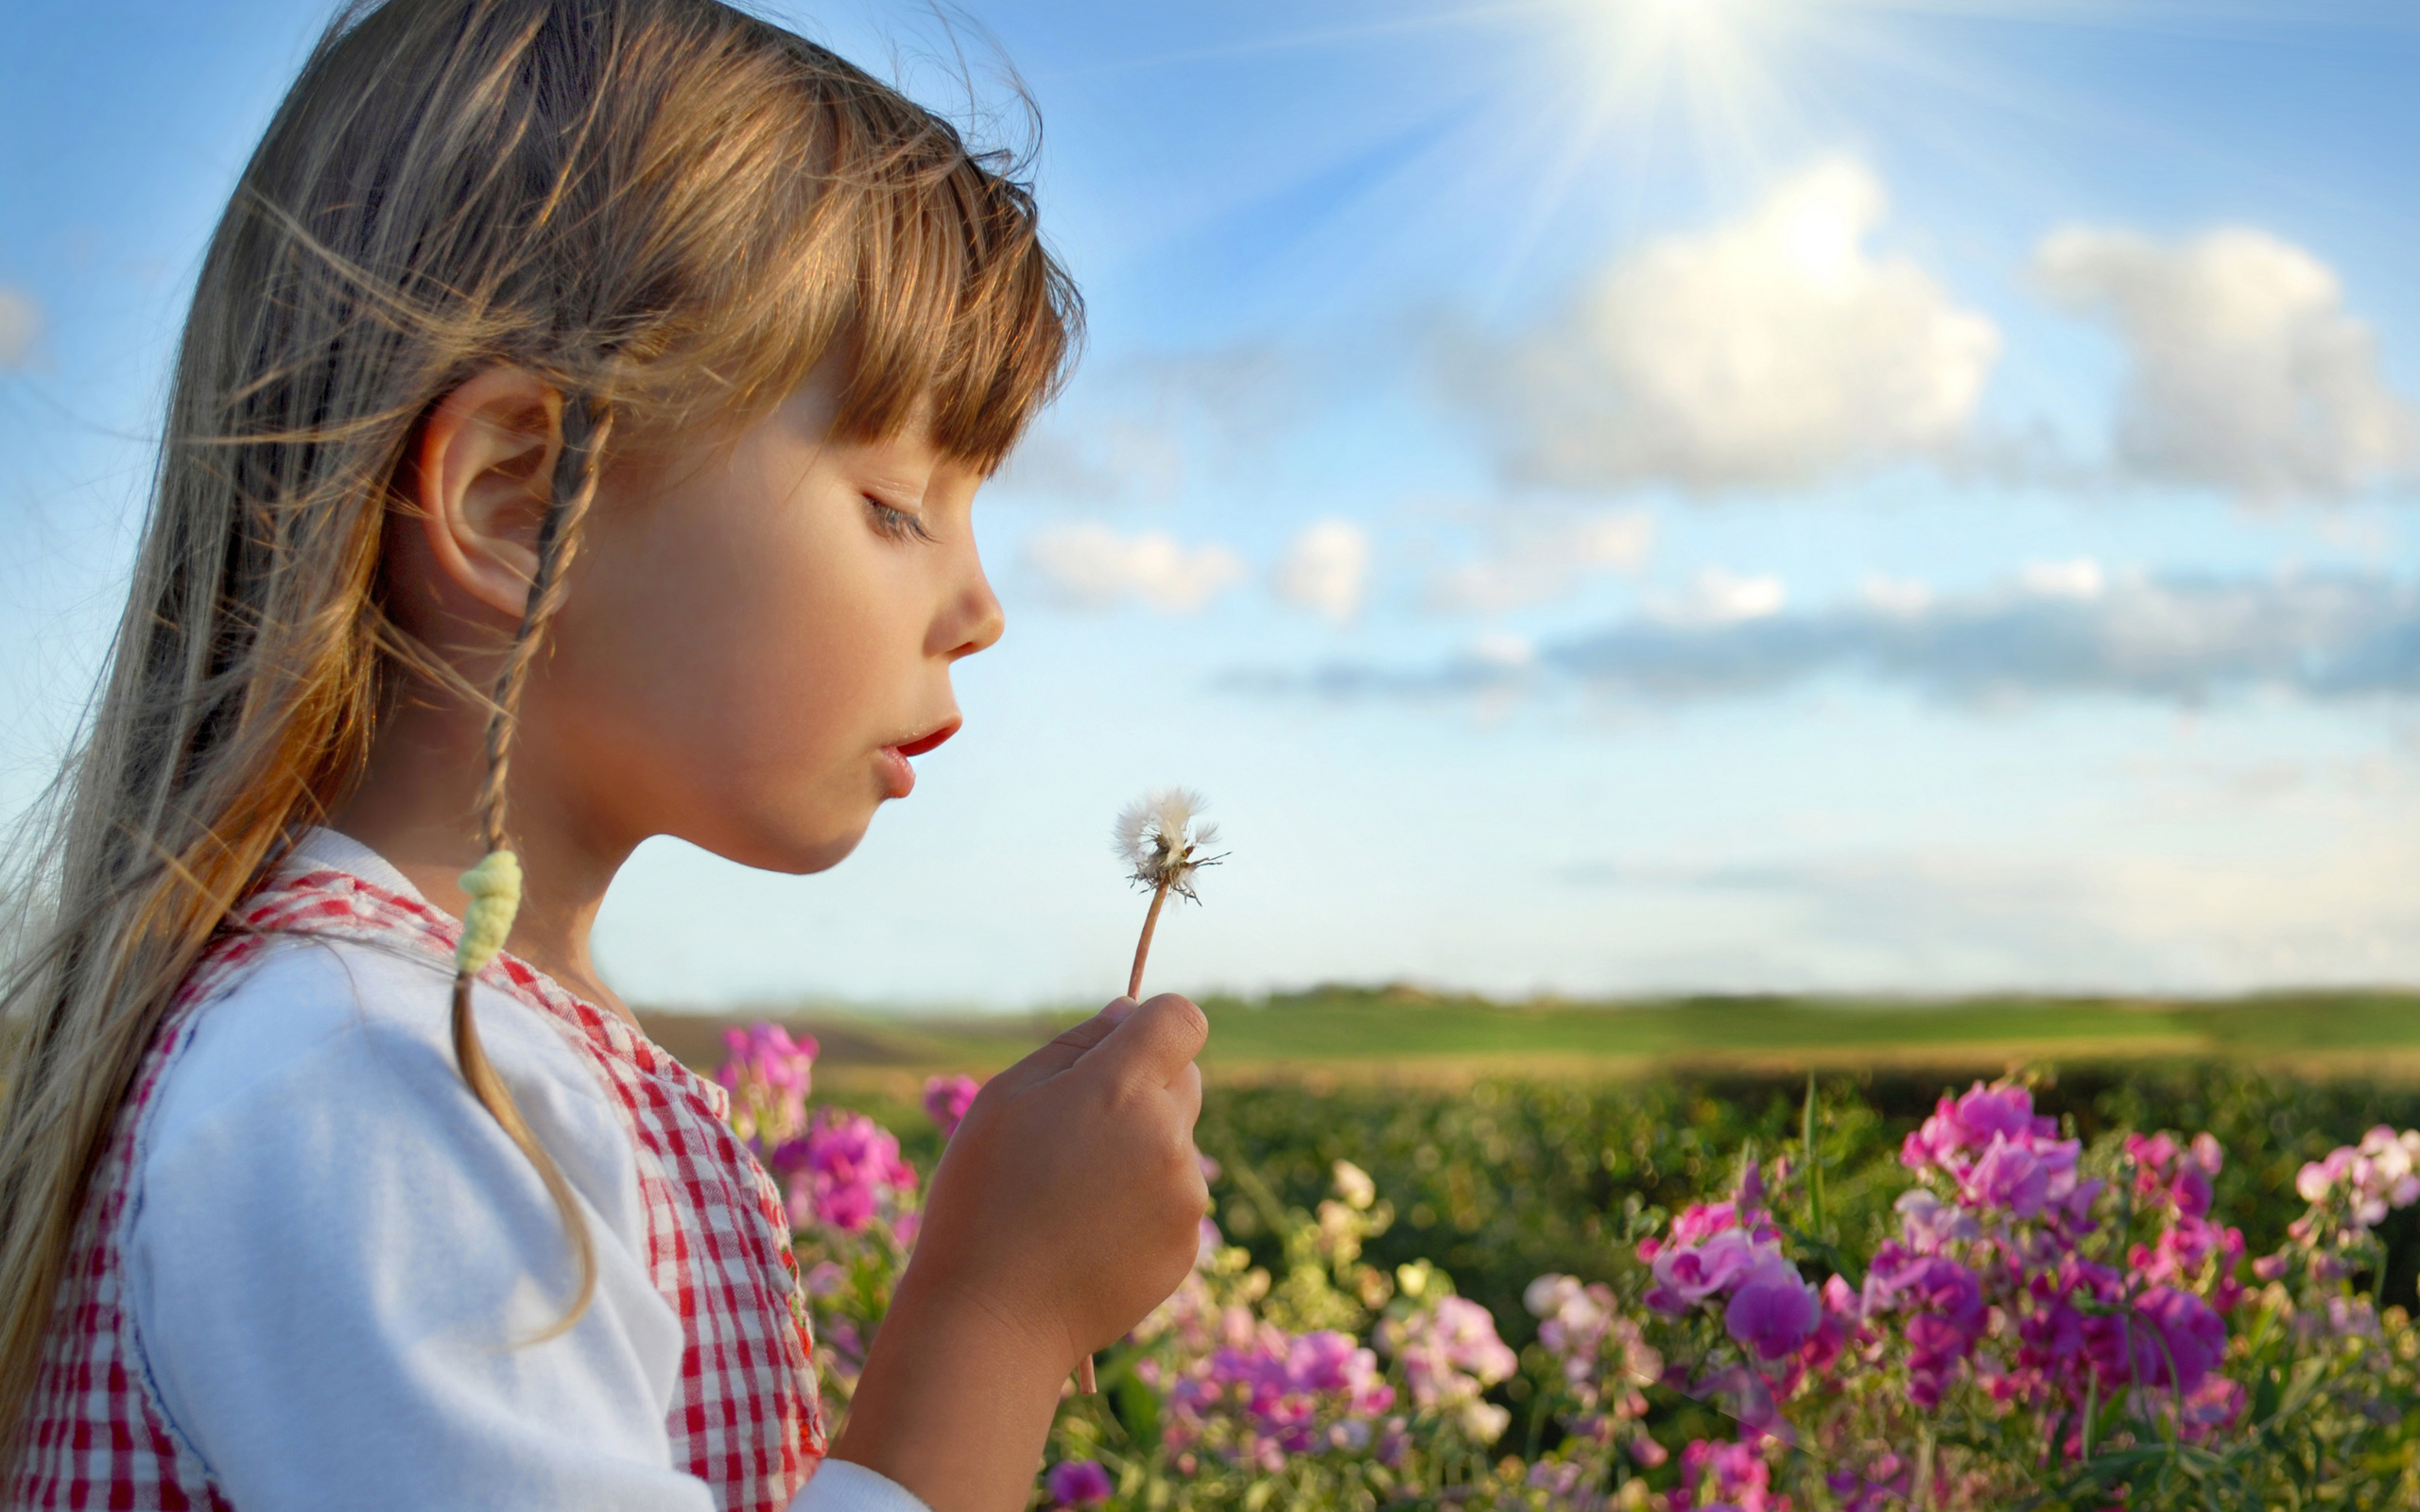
[(670, 211)]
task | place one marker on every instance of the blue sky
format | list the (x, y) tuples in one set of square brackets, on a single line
[(1604, 497)]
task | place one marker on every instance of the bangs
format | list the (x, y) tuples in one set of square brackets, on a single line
[(959, 303), (875, 235)]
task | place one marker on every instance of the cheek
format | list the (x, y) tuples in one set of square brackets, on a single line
[(733, 668)]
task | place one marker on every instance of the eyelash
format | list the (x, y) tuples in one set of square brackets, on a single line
[(899, 525)]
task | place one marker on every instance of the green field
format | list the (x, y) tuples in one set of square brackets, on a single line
[(1400, 1032)]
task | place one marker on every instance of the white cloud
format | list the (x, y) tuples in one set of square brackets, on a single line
[(2080, 579), (1720, 597), (1538, 559), (1096, 567), (2245, 370), (1902, 596), (1503, 650), (1325, 569), (1771, 351), (20, 327)]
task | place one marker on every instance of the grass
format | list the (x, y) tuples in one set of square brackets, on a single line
[(1400, 1032)]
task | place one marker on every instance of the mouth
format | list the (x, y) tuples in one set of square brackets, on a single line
[(898, 778), (926, 741)]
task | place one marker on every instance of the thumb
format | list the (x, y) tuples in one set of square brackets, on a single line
[(1069, 1047), (1155, 1042)]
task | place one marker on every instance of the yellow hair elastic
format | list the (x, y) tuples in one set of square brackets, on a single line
[(494, 886)]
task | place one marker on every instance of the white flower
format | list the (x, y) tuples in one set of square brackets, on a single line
[(1353, 1185), (1159, 839)]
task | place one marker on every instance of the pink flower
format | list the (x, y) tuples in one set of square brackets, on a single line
[(769, 1075), (1451, 1355), (1835, 1327), (1701, 1221), (946, 1100), (2212, 1407), (1725, 1476), (1883, 1488), (1685, 1275), (1078, 1482)]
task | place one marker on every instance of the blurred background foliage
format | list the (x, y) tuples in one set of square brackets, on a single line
[(1515, 1140)]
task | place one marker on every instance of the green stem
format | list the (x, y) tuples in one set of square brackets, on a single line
[(1814, 1166)]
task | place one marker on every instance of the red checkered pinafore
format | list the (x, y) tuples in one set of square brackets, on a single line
[(745, 1417)]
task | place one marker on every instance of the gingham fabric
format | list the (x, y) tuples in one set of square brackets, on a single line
[(745, 1417)]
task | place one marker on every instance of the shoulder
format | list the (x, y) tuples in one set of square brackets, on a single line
[(319, 1039), (341, 1273)]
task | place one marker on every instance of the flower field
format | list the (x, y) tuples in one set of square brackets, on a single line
[(2185, 1287)]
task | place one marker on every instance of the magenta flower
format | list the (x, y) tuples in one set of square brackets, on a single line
[(1078, 1482), (844, 1172), (2177, 1341), (1967, 1124), (946, 1100)]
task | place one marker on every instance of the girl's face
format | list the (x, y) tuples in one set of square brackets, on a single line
[(758, 636)]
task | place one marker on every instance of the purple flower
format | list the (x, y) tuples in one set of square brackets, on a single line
[(1078, 1482), (2189, 1339), (1943, 1301), (1286, 1394), (1930, 1223), (2007, 1178), (1773, 1311), (946, 1100)]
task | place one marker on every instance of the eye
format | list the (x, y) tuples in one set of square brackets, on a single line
[(899, 525)]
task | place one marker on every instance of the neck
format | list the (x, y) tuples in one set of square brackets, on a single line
[(414, 806)]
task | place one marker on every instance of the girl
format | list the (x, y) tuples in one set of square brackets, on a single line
[(572, 441)]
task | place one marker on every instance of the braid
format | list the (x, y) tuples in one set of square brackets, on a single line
[(575, 490), (494, 883)]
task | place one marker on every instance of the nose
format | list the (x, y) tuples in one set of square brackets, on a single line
[(977, 620)]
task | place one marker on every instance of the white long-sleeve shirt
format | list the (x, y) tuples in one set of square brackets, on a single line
[(336, 1250)]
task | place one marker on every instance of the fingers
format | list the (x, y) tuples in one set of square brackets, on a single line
[(1186, 1090), (1069, 1047), (1156, 1043)]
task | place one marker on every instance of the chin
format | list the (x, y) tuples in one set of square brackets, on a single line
[(794, 850)]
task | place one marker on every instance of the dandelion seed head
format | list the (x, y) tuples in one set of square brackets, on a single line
[(1158, 838)]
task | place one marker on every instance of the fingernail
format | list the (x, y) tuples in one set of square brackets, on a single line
[(1117, 1011)]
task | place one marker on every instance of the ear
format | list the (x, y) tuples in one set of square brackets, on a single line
[(481, 478)]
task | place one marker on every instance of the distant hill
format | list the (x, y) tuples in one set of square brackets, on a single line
[(1399, 1031)]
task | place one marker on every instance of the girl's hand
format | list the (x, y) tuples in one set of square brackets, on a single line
[(1068, 1206)]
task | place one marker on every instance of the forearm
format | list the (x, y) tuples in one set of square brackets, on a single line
[(955, 1402)]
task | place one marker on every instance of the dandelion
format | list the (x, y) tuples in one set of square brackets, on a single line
[(1160, 840), (1158, 837)]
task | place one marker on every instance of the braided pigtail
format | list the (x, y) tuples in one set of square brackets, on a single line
[(494, 883)]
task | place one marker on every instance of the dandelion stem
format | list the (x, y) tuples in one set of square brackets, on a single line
[(1143, 946)]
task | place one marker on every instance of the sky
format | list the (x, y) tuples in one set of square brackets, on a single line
[(1605, 497)]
